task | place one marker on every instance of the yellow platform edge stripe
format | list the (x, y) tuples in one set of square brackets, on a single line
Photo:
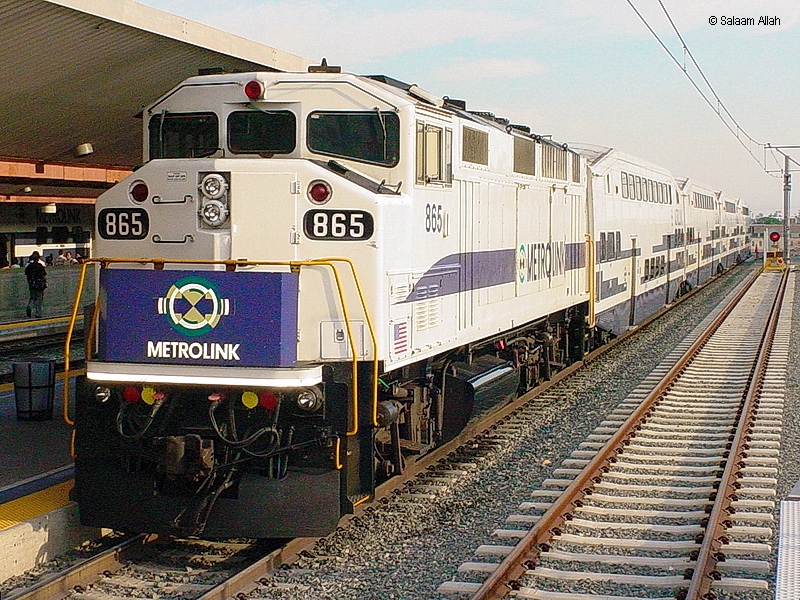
[(34, 505), (7, 387)]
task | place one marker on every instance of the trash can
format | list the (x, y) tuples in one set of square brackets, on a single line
[(34, 389)]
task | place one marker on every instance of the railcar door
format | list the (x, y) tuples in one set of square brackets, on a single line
[(634, 276)]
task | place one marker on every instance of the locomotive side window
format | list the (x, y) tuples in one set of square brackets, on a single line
[(370, 136), (434, 154), (262, 132), (184, 135)]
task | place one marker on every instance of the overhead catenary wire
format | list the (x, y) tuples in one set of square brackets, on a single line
[(713, 100)]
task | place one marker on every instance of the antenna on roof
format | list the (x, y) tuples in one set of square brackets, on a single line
[(324, 68)]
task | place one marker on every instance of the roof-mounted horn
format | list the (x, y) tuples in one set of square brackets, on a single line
[(324, 68)]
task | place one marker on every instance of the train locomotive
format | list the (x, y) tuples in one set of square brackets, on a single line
[(316, 277)]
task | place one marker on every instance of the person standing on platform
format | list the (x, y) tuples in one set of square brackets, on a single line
[(37, 284)]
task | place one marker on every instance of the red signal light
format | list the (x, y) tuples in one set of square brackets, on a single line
[(774, 236), (254, 89)]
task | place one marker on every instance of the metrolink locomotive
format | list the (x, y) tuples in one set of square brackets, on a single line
[(315, 277)]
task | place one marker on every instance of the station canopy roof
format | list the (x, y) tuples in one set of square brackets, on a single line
[(80, 71)]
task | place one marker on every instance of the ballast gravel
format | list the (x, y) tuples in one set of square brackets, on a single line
[(406, 549)]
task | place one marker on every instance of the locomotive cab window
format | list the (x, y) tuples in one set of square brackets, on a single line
[(262, 132), (369, 136), (184, 135)]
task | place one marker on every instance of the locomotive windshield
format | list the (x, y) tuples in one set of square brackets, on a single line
[(184, 135), (371, 136), (262, 132)]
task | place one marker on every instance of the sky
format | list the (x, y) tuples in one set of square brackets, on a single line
[(585, 71)]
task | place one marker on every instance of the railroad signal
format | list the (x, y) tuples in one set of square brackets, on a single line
[(774, 237)]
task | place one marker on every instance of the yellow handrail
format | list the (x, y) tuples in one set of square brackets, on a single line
[(73, 318), (231, 265)]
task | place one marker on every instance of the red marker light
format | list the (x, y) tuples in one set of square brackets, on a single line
[(319, 192), (139, 191), (267, 399), (254, 89), (131, 394)]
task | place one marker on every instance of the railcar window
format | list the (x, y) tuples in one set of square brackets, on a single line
[(262, 132), (183, 135), (369, 136), (635, 187), (704, 201)]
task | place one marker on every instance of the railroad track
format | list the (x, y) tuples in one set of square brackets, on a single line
[(146, 566), (40, 346), (672, 495)]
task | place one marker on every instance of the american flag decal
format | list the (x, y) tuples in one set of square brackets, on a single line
[(400, 338)]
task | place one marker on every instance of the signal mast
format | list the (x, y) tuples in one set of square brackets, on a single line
[(773, 258)]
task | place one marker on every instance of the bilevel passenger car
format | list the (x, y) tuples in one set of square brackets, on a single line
[(315, 277)]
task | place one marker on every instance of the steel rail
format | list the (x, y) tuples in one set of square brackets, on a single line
[(705, 572), (85, 572), (517, 562)]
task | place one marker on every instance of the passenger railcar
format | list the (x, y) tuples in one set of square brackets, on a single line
[(315, 277), (656, 237)]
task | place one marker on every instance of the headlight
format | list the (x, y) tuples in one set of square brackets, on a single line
[(308, 401), (213, 213), (102, 394), (214, 186)]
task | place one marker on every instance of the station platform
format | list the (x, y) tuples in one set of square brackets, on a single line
[(38, 521)]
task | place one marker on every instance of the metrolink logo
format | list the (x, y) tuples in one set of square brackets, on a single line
[(541, 261), (193, 307)]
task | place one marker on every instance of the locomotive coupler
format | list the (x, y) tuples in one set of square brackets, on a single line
[(188, 456)]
